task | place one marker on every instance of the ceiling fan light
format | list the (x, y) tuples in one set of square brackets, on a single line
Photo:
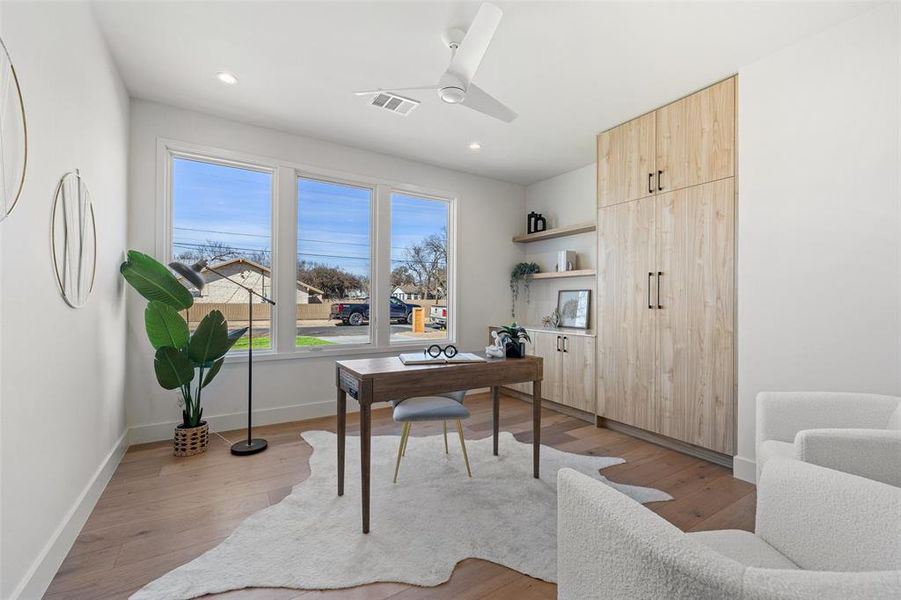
[(452, 94)]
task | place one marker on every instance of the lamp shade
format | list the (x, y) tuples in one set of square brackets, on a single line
[(192, 273)]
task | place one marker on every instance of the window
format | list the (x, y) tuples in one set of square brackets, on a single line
[(419, 268), (222, 213), (334, 263)]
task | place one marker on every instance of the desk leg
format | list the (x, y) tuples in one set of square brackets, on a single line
[(365, 444), (496, 412), (342, 432), (536, 426)]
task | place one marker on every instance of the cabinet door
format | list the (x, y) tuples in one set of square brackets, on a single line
[(695, 395), (625, 160), (578, 373), (696, 138), (625, 338), (547, 345)]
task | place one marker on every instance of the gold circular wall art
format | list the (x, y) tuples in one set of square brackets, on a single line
[(73, 239), (13, 136)]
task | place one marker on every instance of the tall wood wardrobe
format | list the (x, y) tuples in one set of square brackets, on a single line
[(666, 271)]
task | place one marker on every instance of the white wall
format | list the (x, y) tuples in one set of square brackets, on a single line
[(488, 213), (819, 279), (566, 199), (63, 370)]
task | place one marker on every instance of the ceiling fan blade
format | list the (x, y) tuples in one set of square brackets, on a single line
[(395, 89), (480, 100), (472, 49)]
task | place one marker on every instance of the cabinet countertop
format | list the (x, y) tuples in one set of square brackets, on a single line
[(557, 330)]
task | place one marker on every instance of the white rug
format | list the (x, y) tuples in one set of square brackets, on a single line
[(421, 527)]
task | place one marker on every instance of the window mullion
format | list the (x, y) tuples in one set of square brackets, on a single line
[(381, 272), (285, 259)]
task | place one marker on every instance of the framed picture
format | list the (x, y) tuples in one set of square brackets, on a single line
[(573, 306)]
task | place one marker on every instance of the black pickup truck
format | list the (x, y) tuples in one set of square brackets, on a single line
[(357, 313)]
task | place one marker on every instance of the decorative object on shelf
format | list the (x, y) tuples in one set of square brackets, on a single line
[(181, 358), (13, 136), (193, 274), (530, 222), (513, 337), (566, 261), (573, 305), (497, 349), (73, 240), (552, 320), (540, 224), (521, 276)]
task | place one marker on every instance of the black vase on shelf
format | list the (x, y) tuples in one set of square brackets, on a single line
[(530, 222), (540, 223)]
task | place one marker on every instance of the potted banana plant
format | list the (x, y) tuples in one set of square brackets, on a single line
[(183, 361)]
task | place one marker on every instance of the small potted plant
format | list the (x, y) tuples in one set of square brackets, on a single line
[(183, 361), (514, 339)]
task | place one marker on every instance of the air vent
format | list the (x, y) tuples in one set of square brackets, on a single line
[(394, 103)]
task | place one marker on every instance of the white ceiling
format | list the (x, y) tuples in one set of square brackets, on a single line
[(569, 69)]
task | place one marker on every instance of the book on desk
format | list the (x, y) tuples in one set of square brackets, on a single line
[(423, 358)]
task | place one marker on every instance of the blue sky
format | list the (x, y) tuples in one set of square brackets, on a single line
[(233, 206)]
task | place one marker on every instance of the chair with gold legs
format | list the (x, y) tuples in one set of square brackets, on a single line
[(441, 407)]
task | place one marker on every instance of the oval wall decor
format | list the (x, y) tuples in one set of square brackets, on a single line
[(13, 136), (73, 239)]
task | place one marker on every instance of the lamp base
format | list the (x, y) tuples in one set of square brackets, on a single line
[(243, 448)]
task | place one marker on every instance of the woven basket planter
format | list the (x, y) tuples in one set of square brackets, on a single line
[(192, 440)]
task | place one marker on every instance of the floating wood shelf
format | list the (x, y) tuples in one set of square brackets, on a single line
[(563, 274), (555, 233)]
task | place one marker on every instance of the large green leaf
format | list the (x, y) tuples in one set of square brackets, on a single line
[(173, 369), (153, 280), (212, 372), (165, 326), (210, 341)]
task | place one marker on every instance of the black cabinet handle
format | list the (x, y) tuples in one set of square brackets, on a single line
[(659, 179), (651, 306), (565, 344), (650, 185), (659, 273), (558, 343)]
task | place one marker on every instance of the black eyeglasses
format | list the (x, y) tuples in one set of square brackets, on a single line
[(435, 351)]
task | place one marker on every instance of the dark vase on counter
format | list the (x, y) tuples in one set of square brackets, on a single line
[(515, 349)]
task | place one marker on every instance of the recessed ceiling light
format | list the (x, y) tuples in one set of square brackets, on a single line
[(475, 146), (226, 77)]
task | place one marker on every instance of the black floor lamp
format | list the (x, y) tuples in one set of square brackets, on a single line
[(194, 275)]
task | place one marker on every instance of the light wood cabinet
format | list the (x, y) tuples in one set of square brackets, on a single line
[(625, 160), (696, 138), (569, 368), (666, 277), (688, 142), (625, 337)]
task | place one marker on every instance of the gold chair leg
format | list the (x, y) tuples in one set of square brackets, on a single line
[(407, 437), (445, 436), (400, 448), (463, 445)]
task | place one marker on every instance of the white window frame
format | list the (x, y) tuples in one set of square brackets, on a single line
[(285, 175), (167, 152)]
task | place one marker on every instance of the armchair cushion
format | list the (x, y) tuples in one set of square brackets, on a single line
[(743, 547), (871, 453), (775, 449)]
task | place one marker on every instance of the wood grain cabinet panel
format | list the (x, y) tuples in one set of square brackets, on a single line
[(695, 138), (578, 373), (694, 324), (625, 160), (625, 337)]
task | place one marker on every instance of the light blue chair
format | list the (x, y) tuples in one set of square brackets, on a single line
[(440, 407)]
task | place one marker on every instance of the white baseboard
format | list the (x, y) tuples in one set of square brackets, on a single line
[(41, 573), (142, 434), (744, 469)]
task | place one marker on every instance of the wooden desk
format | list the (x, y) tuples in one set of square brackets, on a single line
[(371, 380)]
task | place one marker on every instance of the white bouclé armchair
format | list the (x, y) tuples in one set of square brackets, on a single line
[(820, 535), (854, 433)]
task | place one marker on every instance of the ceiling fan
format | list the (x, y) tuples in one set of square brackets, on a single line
[(467, 50)]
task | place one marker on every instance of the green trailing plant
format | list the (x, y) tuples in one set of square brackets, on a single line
[(521, 276), (182, 361)]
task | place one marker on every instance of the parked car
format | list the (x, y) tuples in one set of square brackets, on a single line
[(357, 313), (438, 317)]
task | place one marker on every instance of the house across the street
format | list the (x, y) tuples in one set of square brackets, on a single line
[(253, 275)]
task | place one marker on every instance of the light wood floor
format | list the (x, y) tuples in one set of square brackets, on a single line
[(159, 511)]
